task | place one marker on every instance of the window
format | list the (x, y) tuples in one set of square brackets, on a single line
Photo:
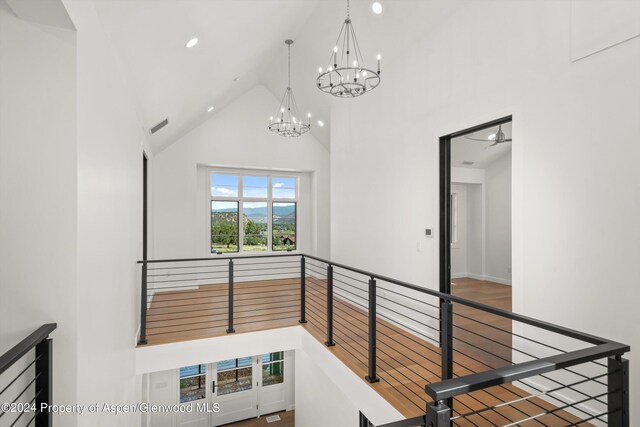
[(234, 375), (253, 213), (272, 368), (193, 380)]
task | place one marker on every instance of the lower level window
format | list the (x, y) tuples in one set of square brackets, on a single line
[(193, 380), (234, 375), (272, 368)]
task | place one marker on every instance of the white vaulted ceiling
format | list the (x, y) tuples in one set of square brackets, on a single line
[(237, 39)]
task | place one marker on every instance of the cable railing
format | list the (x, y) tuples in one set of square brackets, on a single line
[(439, 358), (26, 380)]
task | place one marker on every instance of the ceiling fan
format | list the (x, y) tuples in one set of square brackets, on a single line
[(497, 138)]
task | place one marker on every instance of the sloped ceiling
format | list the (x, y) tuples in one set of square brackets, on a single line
[(238, 39)]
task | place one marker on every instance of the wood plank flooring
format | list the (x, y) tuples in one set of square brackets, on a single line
[(406, 361), (182, 315), (287, 419)]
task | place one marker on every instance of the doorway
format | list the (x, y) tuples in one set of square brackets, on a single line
[(242, 388), (475, 213), (475, 236)]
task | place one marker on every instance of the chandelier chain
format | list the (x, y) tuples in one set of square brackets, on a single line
[(289, 66)]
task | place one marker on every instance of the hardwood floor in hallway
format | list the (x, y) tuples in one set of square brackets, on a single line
[(484, 291), (406, 360), (287, 419)]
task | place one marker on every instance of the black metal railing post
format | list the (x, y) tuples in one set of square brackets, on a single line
[(303, 290), (364, 421), (438, 415), (618, 389), (329, 342), (230, 328), (372, 377), (446, 344), (143, 306), (44, 381)]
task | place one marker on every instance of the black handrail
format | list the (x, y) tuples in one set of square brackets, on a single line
[(443, 392), (214, 258), (479, 306), (17, 351), (43, 375), (462, 385), (572, 333)]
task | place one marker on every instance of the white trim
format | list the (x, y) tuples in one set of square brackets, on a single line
[(392, 318), (482, 277)]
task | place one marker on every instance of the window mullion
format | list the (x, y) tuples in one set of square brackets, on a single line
[(240, 214), (269, 215)]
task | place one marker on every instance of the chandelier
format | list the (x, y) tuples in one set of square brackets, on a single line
[(287, 122), (348, 77)]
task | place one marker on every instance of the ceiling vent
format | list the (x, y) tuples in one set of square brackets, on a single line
[(467, 163), (159, 126)]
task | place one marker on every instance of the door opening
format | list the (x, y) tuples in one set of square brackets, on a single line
[(242, 388), (475, 212)]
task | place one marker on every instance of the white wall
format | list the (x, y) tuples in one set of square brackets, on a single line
[(234, 137), (575, 195), (37, 190), (110, 146), (319, 401), (498, 221)]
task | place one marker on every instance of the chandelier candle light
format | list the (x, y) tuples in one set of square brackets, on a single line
[(348, 78), (287, 122)]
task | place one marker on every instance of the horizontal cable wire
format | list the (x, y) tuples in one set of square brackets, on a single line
[(188, 280), (19, 375), (225, 304), (407, 307), (22, 392), (525, 398), (407, 296), (552, 411), (23, 412), (352, 278), (395, 359), (523, 337), (515, 349)]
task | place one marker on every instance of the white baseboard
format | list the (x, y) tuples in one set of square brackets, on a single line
[(392, 318), (499, 280)]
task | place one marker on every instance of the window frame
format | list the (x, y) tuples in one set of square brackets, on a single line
[(240, 199), (272, 362), (199, 374)]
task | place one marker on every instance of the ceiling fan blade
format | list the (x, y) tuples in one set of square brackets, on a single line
[(489, 146), (508, 140), (475, 139)]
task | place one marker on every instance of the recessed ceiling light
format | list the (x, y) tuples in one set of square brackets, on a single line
[(491, 137), (320, 123), (210, 109), (376, 7), (191, 43)]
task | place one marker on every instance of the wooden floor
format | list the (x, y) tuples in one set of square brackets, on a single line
[(287, 419), (183, 315), (406, 361)]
